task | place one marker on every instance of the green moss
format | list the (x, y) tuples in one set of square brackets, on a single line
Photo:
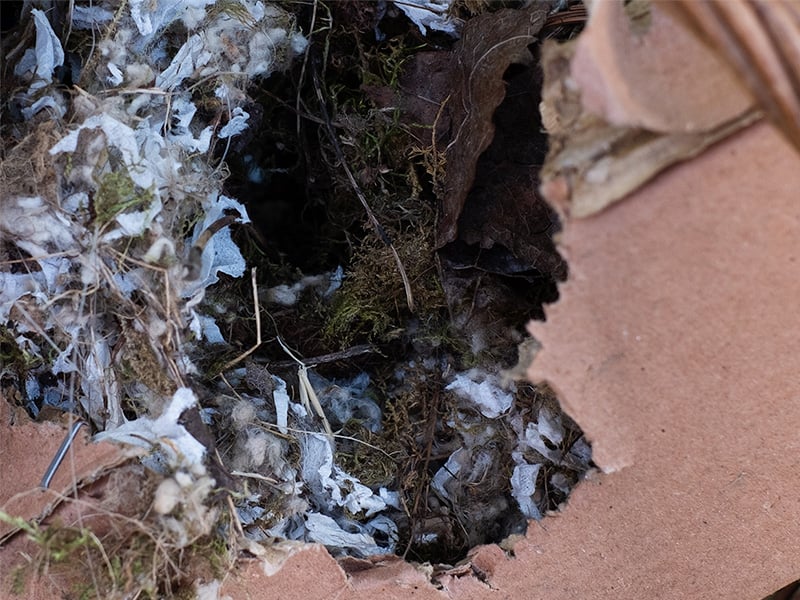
[(372, 459), (12, 355), (117, 193), (372, 302)]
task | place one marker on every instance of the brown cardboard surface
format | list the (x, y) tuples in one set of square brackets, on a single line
[(26, 449), (675, 346), (662, 79)]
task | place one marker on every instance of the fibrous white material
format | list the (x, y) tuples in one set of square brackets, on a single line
[(126, 231), (429, 14), (484, 390), (164, 432), (346, 400)]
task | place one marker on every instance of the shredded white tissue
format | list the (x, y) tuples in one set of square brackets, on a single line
[(116, 77), (327, 482), (221, 254), (236, 125), (210, 330), (145, 432), (535, 440), (209, 591), (449, 472), (135, 223), (121, 137), (390, 498), (48, 53), (550, 426), (523, 487), (582, 451), (324, 530), (35, 227), (87, 17), (282, 401), (50, 102), (14, 286), (190, 57), (484, 390), (429, 14), (151, 15)]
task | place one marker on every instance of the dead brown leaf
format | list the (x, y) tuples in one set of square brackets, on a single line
[(489, 45), (503, 216)]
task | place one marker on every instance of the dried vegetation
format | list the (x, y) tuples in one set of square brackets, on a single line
[(362, 407)]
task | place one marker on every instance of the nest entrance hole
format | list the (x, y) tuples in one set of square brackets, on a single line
[(450, 463)]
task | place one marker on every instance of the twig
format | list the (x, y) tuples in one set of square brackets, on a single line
[(257, 309), (324, 358)]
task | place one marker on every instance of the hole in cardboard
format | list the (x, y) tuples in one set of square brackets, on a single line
[(360, 423), (436, 448)]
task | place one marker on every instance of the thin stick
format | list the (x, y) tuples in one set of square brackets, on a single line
[(257, 309), (307, 394), (324, 358)]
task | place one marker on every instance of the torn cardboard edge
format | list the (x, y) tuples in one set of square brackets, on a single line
[(653, 347), (26, 448)]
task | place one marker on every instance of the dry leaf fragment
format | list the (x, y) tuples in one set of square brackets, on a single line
[(489, 45)]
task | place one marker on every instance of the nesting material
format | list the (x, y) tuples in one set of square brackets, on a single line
[(430, 15), (121, 180), (122, 233), (315, 500), (118, 219)]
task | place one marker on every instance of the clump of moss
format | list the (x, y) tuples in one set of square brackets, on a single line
[(372, 301), (14, 356), (372, 457), (115, 194)]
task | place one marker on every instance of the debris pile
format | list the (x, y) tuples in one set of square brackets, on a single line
[(114, 218), (119, 249)]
